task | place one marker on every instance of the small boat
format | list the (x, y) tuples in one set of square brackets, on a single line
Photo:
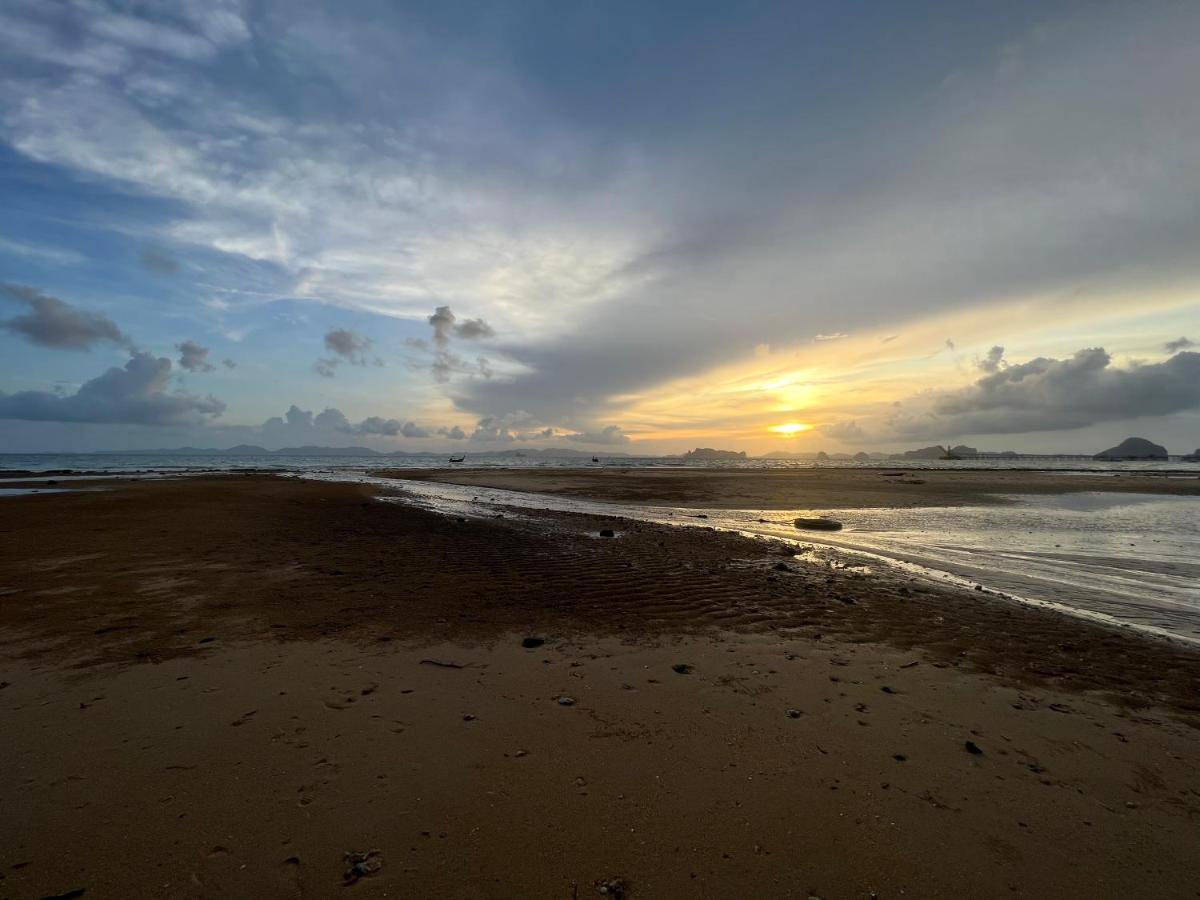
[(595, 459), (457, 458)]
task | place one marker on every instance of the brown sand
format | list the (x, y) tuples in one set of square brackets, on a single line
[(809, 488), (216, 687)]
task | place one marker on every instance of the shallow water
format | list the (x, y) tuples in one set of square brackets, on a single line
[(1124, 559)]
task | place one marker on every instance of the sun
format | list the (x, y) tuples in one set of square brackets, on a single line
[(790, 428)]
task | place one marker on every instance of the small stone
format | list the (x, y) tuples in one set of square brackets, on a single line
[(521, 753), (467, 717), (899, 757), (361, 865), (794, 714), (607, 532), (612, 887), (566, 701), (973, 748), (531, 642), (682, 669)]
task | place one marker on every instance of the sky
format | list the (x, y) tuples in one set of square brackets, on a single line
[(609, 226)]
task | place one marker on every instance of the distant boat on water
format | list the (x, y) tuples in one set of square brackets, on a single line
[(457, 458), (595, 459)]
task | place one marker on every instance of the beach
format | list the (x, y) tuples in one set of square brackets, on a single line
[(262, 686)]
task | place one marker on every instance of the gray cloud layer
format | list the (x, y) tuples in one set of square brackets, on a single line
[(135, 394), (1043, 394), (51, 322)]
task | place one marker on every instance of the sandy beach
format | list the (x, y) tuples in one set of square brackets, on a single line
[(256, 686)]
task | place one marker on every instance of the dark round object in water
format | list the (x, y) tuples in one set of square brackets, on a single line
[(607, 532), (530, 642), (818, 524)]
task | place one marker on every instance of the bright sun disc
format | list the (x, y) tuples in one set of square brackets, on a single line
[(791, 428)]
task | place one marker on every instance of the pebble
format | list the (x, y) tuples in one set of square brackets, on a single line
[(682, 668), (566, 701)]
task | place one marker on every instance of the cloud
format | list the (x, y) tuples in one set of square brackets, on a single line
[(388, 428), (193, 357), (445, 364), (445, 325), (52, 322), (836, 336), (1178, 344), (347, 346), (229, 363), (492, 429), (611, 434), (135, 394), (302, 426), (1047, 394), (993, 361), (158, 261), (849, 432), (455, 433)]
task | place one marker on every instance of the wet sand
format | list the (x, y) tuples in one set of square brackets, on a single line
[(800, 488), (217, 687)]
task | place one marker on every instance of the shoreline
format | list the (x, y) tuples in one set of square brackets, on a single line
[(240, 678)]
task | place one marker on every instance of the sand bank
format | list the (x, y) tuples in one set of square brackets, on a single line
[(799, 488)]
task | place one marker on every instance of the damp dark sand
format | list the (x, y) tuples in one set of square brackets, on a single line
[(217, 687)]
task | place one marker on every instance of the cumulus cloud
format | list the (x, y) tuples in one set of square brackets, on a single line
[(446, 325), (1180, 343), (993, 361), (455, 433), (346, 346), (492, 429), (444, 363), (611, 434), (193, 357), (1047, 394), (52, 322), (389, 428), (135, 394), (229, 363), (850, 432), (302, 425)]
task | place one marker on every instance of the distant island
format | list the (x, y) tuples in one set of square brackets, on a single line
[(710, 453), (1133, 448)]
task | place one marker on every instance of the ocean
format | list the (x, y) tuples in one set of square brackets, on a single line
[(174, 462)]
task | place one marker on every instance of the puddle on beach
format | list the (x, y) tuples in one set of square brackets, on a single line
[(1124, 559)]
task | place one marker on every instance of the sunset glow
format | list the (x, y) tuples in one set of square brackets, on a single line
[(791, 428)]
